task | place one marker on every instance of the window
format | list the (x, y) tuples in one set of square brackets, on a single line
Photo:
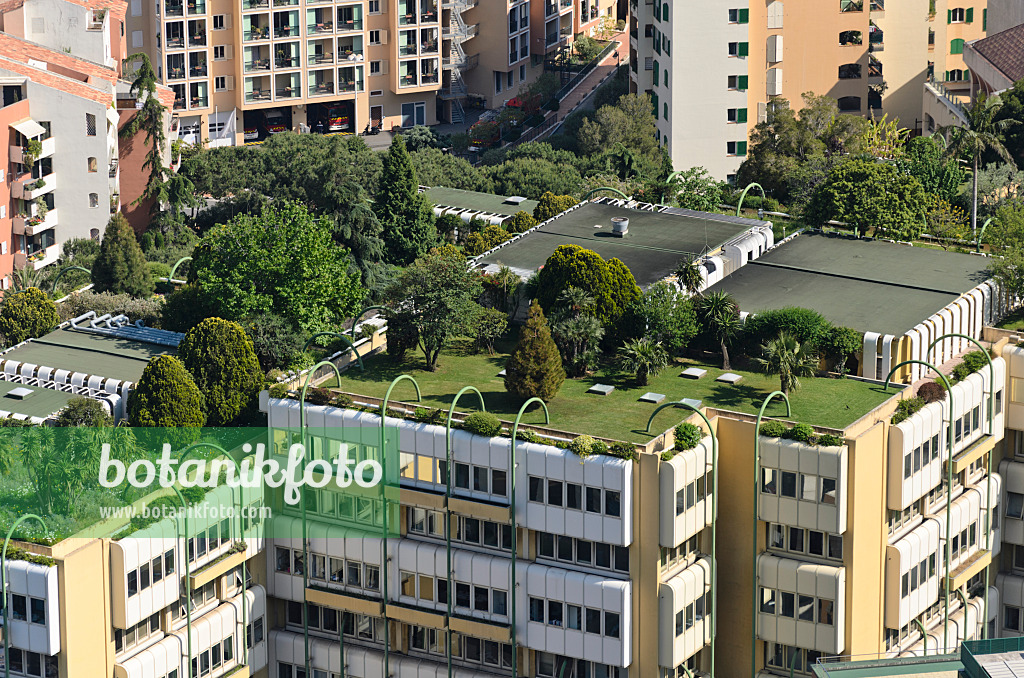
[(739, 16), (375, 68), (537, 489), (220, 83), (19, 605), (594, 499), (133, 577), (593, 618), (375, 37), (537, 610), (736, 115), (849, 71), (957, 15), (737, 82), (851, 38), (1014, 505), (373, 7), (499, 483), (611, 624), (788, 477), (90, 124), (218, 53), (956, 46), (92, 164), (739, 49), (218, 22), (555, 492), (1011, 618)]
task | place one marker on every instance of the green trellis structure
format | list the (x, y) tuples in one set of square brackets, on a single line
[(448, 511), (739, 205), (981, 234), (56, 278), (694, 406), (602, 188), (949, 487), (337, 335), (3, 585), (757, 505), (174, 269), (360, 317)]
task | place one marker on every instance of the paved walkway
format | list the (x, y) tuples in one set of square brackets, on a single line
[(594, 78)]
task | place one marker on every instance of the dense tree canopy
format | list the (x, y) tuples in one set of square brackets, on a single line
[(26, 314), (220, 358), (120, 267), (610, 283), (404, 213)]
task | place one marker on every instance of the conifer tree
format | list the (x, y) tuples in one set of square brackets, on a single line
[(220, 357), (121, 266), (405, 214), (166, 395), (535, 367)]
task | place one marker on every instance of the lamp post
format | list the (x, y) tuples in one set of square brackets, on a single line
[(694, 406), (302, 504), (448, 510), (753, 551), (384, 501), (991, 425), (3, 587), (515, 526), (949, 487)]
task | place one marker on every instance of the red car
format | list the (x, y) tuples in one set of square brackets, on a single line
[(338, 119)]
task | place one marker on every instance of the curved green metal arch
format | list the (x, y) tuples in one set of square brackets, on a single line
[(348, 341), (981, 234), (743, 195), (991, 425), (448, 510), (360, 317), (56, 278), (302, 502), (384, 504), (714, 515), (3, 583), (757, 472), (949, 485), (174, 269), (515, 526), (603, 188), (924, 634)]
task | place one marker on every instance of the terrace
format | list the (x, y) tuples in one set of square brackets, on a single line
[(829, 403)]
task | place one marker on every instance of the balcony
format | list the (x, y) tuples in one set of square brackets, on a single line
[(32, 225), (196, 7), (349, 19), (350, 80), (286, 3), (256, 95), (17, 152), (350, 49), (197, 71), (38, 258), (31, 188), (320, 28), (428, 12), (199, 101), (257, 65), (286, 31), (321, 89), (255, 4), (173, 9), (256, 33), (197, 39), (286, 61), (175, 42)]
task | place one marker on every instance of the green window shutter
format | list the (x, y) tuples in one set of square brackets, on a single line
[(665, 110), (744, 16), (947, 76), (741, 82), (656, 71), (744, 49), (970, 15), (741, 148), (949, 16), (664, 12), (984, 19), (665, 77), (956, 46), (741, 115)]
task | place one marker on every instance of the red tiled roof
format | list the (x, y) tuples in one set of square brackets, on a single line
[(58, 82), (1005, 51), (15, 48)]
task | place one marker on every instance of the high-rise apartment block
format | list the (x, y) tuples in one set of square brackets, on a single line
[(873, 57), (244, 69)]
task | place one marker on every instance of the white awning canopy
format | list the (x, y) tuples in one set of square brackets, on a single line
[(113, 117), (29, 127)]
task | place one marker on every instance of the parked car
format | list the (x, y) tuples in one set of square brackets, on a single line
[(274, 122), (252, 133), (338, 119)]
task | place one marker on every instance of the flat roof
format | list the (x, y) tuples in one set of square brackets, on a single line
[(657, 240), (477, 202), (936, 666), (89, 353), (41, 403), (869, 285)]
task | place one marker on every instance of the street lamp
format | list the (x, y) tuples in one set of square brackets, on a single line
[(3, 586)]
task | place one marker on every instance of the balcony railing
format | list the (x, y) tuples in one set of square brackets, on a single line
[(175, 72), (175, 43), (321, 89), (258, 95), (407, 81), (287, 62), (200, 102), (350, 25), (257, 65), (316, 59), (286, 3), (287, 92), (428, 47), (197, 71), (179, 104), (196, 8), (428, 16), (172, 9), (350, 86), (198, 39), (429, 79), (256, 34), (285, 31), (406, 50), (406, 19), (255, 4), (325, 27)]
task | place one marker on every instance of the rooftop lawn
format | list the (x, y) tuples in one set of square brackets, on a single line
[(1012, 322), (833, 403)]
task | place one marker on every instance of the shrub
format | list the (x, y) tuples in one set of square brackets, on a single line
[(773, 429), (274, 339), (808, 327), (599, 447), (81, 411), (582, 446), (278, 391), (167, 396), (520, 222), (932, 391), (482, 424), (121, 267), (972, 362), (26, 314), (319, 396), (220, 357), (550, 204), (149, 311), (428, 415), (535, 367), (961, 372), (184, 308), (623, 450), (342, 400), (905, 408), (829, 440), (687, 436), (802, 433), (491, 236)]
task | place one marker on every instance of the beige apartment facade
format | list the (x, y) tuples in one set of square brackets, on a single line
[(873, 58)]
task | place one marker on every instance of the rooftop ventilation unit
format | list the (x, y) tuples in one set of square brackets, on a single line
[(20, 393), (620, 226), (514, 200)]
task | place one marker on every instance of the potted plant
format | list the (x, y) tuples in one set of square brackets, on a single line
[(32, 150)]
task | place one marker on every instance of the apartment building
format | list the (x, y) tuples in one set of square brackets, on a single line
[(244, 70), (873, 59)]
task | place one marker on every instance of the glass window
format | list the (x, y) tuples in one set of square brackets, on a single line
[(555, 613), (828, 491), (594, 499), (796, 539), (536, 489), (462, 595), (593, 620), (612, 503), (787, 602), (835, 546), (462, 476), (825, 609), (768, 481), (499, 602), (611, 624), (38, 609), (1014, 505), (573, 496), (480, 477), (133, 583), (806, 612), (574, 616), (481, 598), (768, 605), (499, 483), (816, 543), (555, 492), (536, 610), (808, 487), (788, 484)]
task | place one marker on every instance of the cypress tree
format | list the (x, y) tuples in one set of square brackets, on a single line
[(405, 214), (166, 395), (220, 357), (535, 367), (121, 266), (26, 314)]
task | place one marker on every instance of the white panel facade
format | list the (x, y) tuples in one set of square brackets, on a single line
[(803, 485), (686, 495), (684, 626), (35, 587), (801, 604)]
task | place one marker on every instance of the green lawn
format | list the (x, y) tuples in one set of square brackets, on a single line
[(1013, 322), (833, 403)]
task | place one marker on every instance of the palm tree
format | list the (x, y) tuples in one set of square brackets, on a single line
[(788, 358), (643, 357), (982, 132), (25, 277), (720, 315), (576, 330), (690, 276)]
